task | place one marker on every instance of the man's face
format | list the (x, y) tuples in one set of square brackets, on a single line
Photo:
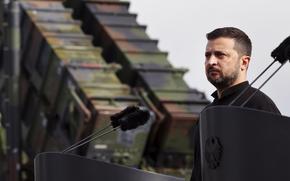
[(222, 62)]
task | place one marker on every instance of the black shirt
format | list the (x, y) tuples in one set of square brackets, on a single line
[(259, 101)]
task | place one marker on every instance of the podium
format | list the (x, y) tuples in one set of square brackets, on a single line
[(240, 144), (67, 167)]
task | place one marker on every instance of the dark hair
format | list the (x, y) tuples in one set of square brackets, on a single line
[(242, 42)]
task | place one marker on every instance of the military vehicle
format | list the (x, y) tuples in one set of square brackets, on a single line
[(82, 61)]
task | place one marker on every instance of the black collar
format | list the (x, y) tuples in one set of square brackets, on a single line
[(231, 90)]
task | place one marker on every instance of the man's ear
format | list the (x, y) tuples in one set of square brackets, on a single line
[(245, 61)]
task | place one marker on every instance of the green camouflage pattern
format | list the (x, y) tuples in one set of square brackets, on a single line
[(49, 28), (119, 147), (144, 46), (73, 82), (167, 81), (95, 76), (63, 41), (118, 32), (42, 5), (35, 123), (118, 8), (46, 16), (3, 165), (72, 87), (127, 20), (141, 59), (144, 65), (81, 56)]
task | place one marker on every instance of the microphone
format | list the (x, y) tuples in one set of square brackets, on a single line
[(130, 118), (115, 118), (133, 120), (115, 123), (282, 52)]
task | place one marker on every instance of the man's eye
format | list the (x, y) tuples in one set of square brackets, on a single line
[(207, 55), (219, 54)]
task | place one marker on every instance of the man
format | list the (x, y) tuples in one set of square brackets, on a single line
[(227, 58)]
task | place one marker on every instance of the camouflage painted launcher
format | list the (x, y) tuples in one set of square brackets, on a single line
[(70, 90), (126, 42)]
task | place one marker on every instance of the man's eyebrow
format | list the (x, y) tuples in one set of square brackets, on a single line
[(215, 51), (219, 52)]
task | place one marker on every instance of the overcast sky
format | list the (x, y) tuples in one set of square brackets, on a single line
[(181, 26)]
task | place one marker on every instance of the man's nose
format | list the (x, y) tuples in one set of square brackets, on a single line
[(211, 60)]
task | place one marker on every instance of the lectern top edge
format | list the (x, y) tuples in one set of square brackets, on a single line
[(53, 166), (249, 110)]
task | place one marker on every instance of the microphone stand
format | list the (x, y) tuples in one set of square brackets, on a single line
[(280, 54), (125, 122), (88, 137), (250, 97), (81, 143), (251, 83)]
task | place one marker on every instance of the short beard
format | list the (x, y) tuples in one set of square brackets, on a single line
[(224, 82)]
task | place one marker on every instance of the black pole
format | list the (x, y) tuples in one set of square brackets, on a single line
[(11, 112), (1, 23)]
